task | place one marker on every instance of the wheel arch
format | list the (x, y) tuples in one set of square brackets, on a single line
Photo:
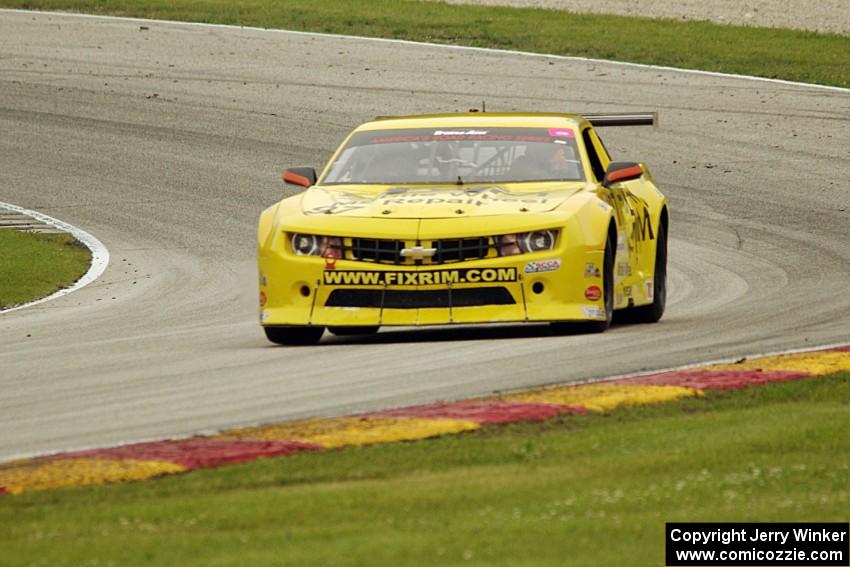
[(664, 219), (612, 232)]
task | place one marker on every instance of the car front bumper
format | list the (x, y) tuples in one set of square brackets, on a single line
[(551, 286)]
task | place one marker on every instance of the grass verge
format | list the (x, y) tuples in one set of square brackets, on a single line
[(766, 52), (35, 265), (577, 490)]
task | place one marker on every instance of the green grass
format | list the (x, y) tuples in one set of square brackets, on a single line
[(578, 490), (775, 53), (35, 265)]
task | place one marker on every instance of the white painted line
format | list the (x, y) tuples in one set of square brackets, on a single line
[(444, 46), (99, 254)]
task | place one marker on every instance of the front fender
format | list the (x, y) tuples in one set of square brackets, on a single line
[(593, 216)]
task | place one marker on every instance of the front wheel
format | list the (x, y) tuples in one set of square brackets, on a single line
[(294, 336), (607, 298), (607, 291), (652, 313)]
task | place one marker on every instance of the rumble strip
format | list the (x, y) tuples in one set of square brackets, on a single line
[(151, 459)]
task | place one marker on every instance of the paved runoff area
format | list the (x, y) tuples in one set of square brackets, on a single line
[(165, 141), (140, 461)]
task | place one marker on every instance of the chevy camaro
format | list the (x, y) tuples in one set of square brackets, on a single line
[(461, 219)]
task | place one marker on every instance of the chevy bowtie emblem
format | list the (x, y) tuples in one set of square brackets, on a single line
[(418, 252)]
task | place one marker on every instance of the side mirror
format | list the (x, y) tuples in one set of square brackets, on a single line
[(621, 171), (303, 176)]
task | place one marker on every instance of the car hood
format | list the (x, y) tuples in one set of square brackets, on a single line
[(434, 202)]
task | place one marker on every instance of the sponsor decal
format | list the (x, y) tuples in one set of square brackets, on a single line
[(624, 270), (413, 135), (263, 299), (642, 228), (420, 278), (591, 270), (650, 289), (542, 266), (478, 196), (621, 241), (460, 132), (593, 293), (618, 298), (470, 196), (264, 315), (592, 312), (628, 291), (330, 262)]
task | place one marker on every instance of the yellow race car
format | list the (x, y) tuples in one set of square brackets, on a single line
[(465, 218)]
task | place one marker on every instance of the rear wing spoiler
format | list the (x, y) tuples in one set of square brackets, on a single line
[(633, 119)]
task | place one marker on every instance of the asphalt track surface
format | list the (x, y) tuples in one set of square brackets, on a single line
[(167, 142)]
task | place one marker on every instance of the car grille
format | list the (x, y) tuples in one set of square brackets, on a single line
[(448, 250), (400, 299), (460, 249), (373, 250)]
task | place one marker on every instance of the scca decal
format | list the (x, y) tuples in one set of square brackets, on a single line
[(431, 277)]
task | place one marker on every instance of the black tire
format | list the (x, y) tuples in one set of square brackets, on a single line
[(573, 327), (359, 330), (294, 336), (607, 291), (652, 313)]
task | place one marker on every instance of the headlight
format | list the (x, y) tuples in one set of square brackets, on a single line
[(537, 241), (526, 242), (314, 245)]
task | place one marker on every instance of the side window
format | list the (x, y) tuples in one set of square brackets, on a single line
[(595, 163), (601, 150)]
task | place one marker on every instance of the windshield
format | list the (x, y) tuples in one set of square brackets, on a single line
[(457, 156)]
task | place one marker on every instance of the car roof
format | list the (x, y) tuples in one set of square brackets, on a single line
[(475, 119)]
